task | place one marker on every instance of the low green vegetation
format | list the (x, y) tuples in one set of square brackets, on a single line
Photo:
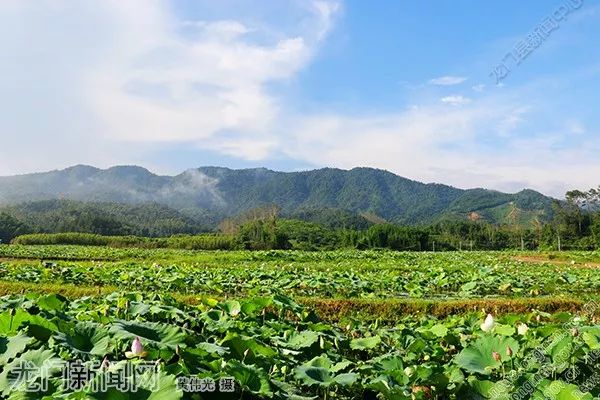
[(275, 348), (575, 225), (190, 242), (334, 274), (291, 324)]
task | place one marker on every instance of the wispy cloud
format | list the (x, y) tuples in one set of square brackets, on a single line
[(512, 119), (575, 127), (455, 100), (447, 80)]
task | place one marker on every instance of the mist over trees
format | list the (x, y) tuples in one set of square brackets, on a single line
[(575, 224)]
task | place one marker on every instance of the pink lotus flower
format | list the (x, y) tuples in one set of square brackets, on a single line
[(137, 349), (105, 363), (496, 356)]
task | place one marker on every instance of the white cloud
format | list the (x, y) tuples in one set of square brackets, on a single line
[(575, 127), (211, 83), (115, 72), (455, 100), (111, 82), (428, 161), (416, 143), (512, 119), (326, 10), (476, 145), (447, 80)]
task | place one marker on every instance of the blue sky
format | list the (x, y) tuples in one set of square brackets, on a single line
[(300, 84)]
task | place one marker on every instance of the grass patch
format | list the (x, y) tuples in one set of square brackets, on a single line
[(390, 310), (338, 309), (71, 291)]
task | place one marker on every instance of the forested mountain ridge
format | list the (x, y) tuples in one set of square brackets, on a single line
[(225, 192)]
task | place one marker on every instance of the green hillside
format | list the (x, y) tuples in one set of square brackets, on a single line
[(210, 193)]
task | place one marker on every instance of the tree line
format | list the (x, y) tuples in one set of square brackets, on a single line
[(575, 225)]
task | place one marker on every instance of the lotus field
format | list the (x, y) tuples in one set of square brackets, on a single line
[(102, 323)]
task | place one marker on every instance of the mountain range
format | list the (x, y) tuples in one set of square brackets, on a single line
[(373, 193)]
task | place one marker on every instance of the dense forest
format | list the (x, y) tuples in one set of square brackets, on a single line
[(208, 194), (575, 225)]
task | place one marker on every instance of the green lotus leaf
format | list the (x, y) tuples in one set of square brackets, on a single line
[(211, 348), (342, 365), (365, 343), (390, 364), (301, 340), (560, 350), (149, 386), (478, 356), (504, 330), (591, 337), (232, 307), (559, 390), (137, 308), (318, 371), (52, 302), (490, 390), (240, 345), (38, 326), (439, 330), (289, 391), (10, 347), (315, 372), (256, 305), (468, 287), (311, 375), (347, 379), (149, 332), (251, 378), (87, 339), (40, 364)]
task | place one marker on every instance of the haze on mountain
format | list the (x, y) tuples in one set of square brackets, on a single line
[(220, 192)]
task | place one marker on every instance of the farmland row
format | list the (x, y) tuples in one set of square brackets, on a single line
[(371, 275)]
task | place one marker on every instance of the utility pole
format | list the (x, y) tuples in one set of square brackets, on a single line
[(522, 244), (434, 246), (559, 247)]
